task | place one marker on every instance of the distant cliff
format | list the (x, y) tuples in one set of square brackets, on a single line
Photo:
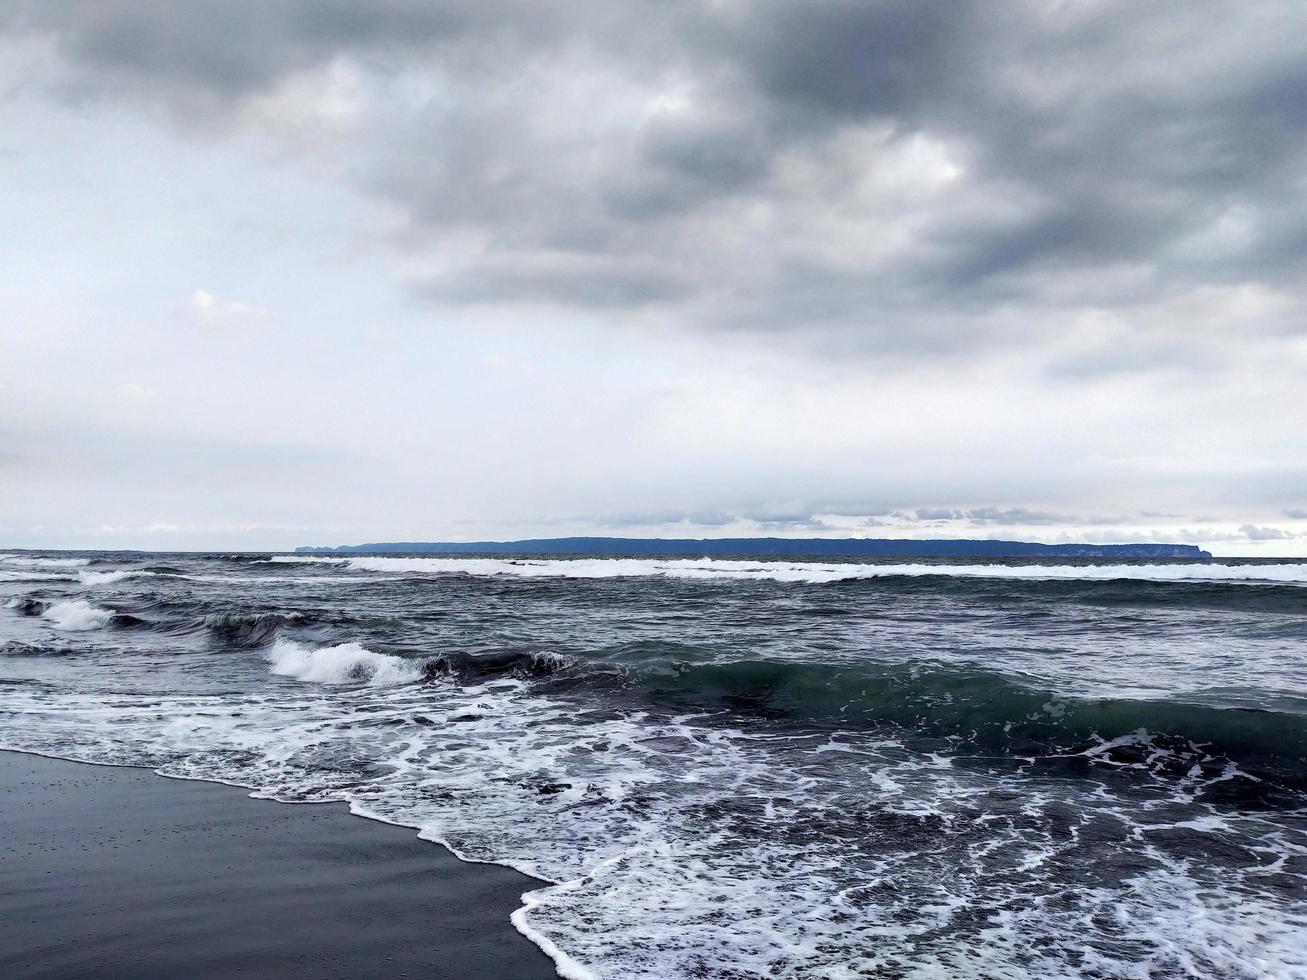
[(770, 547)]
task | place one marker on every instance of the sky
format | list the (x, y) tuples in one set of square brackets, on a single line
[(313, 272)]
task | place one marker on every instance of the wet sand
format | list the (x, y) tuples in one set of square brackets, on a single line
[(108, 872)]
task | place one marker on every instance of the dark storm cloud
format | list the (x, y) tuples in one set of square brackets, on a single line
[(233, 49), (926, 174)]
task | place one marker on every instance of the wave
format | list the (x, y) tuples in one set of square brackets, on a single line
[(248, 629), (35, 575), (173, 618), (973, 709), (16, 648), (108, 578), (27, 606), (809, 572), (994, 712), (77, 615), (344, 663), (35, 561)]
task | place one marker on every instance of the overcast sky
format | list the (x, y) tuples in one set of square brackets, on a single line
[(307, 272)]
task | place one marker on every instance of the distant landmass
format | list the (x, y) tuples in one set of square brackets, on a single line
[(769, 547)]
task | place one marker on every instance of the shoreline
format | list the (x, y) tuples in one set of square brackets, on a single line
[(117, 869)]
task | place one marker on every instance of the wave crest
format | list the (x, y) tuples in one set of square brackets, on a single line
[(248, 629), (108, 578), (37, 561), (77, 615), (344, 663)]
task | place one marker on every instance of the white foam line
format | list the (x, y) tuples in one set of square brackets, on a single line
[(353, 807), (564, 965), (36, 561), (791, 571), (108, 578), (35, 576)]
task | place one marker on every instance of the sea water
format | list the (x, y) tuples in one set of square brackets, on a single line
[(738, 768)]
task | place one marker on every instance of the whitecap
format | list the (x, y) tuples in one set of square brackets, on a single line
[(107, 578), (77, 614), (344, 663), (35, 561)]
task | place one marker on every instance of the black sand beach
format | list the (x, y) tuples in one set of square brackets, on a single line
[(118, 872)]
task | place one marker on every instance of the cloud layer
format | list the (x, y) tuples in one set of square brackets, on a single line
[(922, 175), (1092, 213)]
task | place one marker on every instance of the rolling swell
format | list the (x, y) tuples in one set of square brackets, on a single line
[(28, 606), (1282, 598), (186, 618), (992, 712), (248, 629), (977, 711)]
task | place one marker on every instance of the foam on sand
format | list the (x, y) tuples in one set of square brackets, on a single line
[(77, 614), (344, 663)]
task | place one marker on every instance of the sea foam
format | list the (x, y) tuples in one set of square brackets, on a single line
[(344, 663), (33, 561), (77, 614), (107, 578), (28, 568)]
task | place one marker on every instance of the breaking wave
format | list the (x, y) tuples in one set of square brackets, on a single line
[(35, 575), (77, 615), (344, 663), (108, 578), (35, 561)]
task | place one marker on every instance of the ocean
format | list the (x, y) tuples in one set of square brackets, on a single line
[(738, 768)]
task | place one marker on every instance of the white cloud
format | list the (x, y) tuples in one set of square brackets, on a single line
[(137, 394), (208, 310)]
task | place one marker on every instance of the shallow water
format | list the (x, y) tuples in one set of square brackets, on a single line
[(739, 768)]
